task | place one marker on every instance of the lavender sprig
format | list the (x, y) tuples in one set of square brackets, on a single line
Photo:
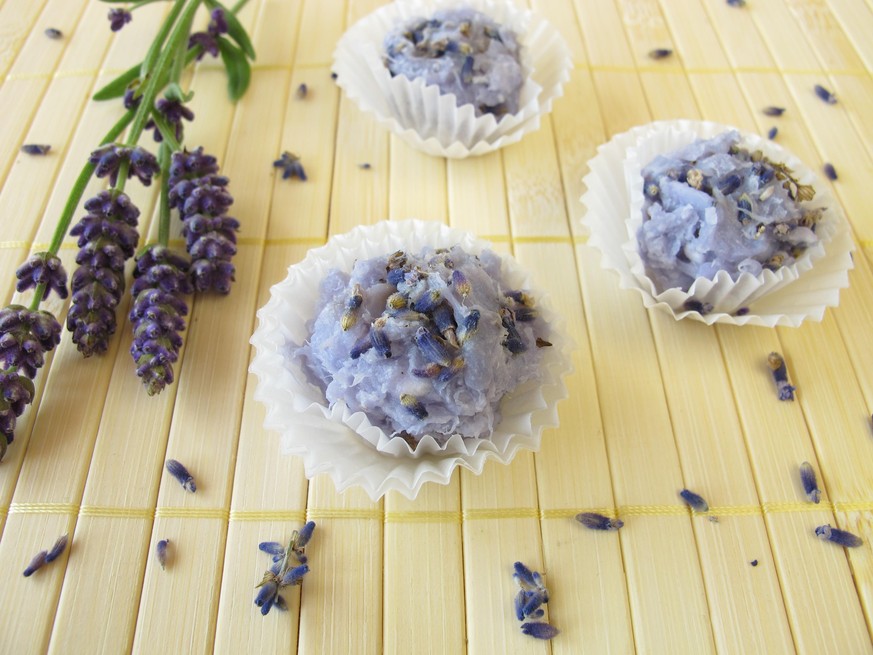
[(532, 594), (288, 569)]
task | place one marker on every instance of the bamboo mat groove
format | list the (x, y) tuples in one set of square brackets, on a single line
[(654, 405)]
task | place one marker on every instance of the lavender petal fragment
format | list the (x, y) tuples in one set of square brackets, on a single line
[(59, 547), (596, 521), (825, 94), (810, 484), (780, 376), (178, 471), (540, 630), (837, 536), (694, 501)]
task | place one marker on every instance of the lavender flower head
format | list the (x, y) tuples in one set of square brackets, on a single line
[(201, 197), (107, 238), (43, 268), (25, 336), (107, 160), (173, 112), (161, 279), (118, 18), (208, 39)]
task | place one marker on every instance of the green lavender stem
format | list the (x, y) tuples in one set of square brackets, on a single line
[(164, 214)]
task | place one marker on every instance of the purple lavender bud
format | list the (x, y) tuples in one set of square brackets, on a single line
[(35, 564), (305, 534), (427, 302), (773, 111), (825, 94), (267, 593), (432, 347), (291, 166), (118, 18), (596, 521), (301, 92), (209, 275), (772, 132), (35, 149), (524, 575), (272, 548), (143, 165), (518, 604), (161, 552), (217, 22), (25, 336), (361, 346), (178, 471), (16, 392), (810, 484), (379, 339), (43, 268), (837, 536), (206, 41), (268, 605), (830, 172), (53, 33), (695, 501), (191, 165), (294, 576), (532, 602), (539, 630), (173, 112), (107, 161), (56, 550), (132, 98), (414, 406), (780, 376)]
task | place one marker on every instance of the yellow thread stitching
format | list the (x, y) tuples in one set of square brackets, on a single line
[(191, 513), (275, 515), (794, 506), (652, 510), (571, 513), (856, 506), (43, 508), (328, 513), (423, 517), (503, 513), (117, 512)]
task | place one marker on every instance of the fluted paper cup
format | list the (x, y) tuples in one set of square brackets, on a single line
[(786, 296), (345, 444), (430, 121)]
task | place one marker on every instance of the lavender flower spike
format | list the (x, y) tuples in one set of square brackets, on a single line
[(43, 268), (161, 279), (25, 336), (178, 471)]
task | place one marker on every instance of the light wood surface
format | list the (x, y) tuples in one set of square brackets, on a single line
[(654, 405)]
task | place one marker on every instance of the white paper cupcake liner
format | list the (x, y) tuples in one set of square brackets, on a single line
[(345, 444), (788, 296), (430, 121)]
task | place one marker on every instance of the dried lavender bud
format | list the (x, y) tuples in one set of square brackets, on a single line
[(301, 92), (35, 564), (365, 166), (540, 630), (736, 3), (267, 593), (53, 33), (414, 405), (59, 547), (837, 536), (780, 376), (702, 308), (830, 172), (772, 132), (695, 501), (754, 562), (461, 284), (660, 53), (294, 576), (530, 603), (118, 18), (305, 534), (432, 347), (178, 471), (523, 575), (379, 338), (427, 302), (161, 552), (810, 484), (43, 268), (291, 166), (596, 521), (742, 311), (35, 149), (773, 111), (272, 548), (825, 94)]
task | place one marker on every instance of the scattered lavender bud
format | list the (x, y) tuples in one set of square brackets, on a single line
[(56, 550), (35, 564), (35, 149), (810, 484), (414, 405), (301, 92), (837, 536), (291, 166), (53, 33), (695, 501), (825, 94), (736, 3), (272, 548), (773, 111), (830, 172), (161, 552), (702, 308), (754, 562), (780, 376), (540, 630), (178, 471), (660, 53), (365, 166), (333, 75), (772, 132), (118, 18), (523, 575), (596, 521)]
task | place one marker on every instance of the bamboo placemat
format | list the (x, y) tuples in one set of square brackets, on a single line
[(654, 406)]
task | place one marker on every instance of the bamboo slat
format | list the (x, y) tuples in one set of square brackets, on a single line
[(654, 405)]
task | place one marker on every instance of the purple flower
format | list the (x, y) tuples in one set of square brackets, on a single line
[(16, 393), (173, 112), (161, 278), (217, 22), (118, 18), (202, 199), (291, 166), (131, 99), (107, 238), (540, 630), (107, 160), (207, 40), (25, 336), (43, 268)]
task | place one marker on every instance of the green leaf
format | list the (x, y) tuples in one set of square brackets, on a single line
[(239, 73), (117, 87), (237, 32)]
